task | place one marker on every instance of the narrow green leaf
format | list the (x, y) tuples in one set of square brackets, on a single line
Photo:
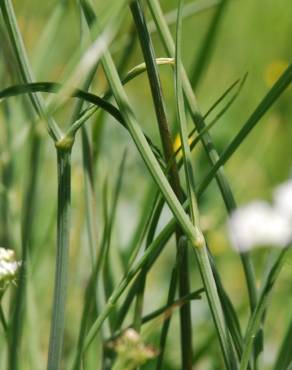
[(62, 260), (284, 357), (24, 65), (271, 97), (207, 45), (254, 323), (208, 145)]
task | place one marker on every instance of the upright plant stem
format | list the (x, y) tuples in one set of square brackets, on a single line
[(192, 231), (63, 233), (165, 135), (210, 149), (29, 197)]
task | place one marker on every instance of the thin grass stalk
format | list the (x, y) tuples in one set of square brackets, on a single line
[(194, 143), (156, 215), (192, 231), (207, 45), (211, 152), (139, 283), (88, 167), (274, 93), (26, 231), (91, 306), (190, 9), (154, 248), (48, 36), (53, 87), (106, 266), (226, 302), (62, 257), (164, 312), (29, 197), (145, 150), (166, 323), (3, 321), (201, 253), (149, 204), (284, 357), (7, 176), (256, 318), (271, 97), (266, 103), (90, 201), (24, 66), (165, 135)]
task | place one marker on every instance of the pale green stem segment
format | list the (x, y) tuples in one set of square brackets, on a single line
[(62, 258)]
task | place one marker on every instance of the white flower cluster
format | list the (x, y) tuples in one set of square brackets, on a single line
[(8, 266), (261, 224)]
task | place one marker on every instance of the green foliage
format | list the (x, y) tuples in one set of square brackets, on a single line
[(142, 205)]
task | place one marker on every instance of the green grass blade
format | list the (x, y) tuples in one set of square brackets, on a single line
[(211, 152), (207, 45), (53, 87), (145, 150), (191, 232), (154, 248), (165, 135), (271, 97), (231, 316), (166, 323), (189, 9), (147, 208), (254, 323), (24, 66), (196, 140), (186, 338), (164, 311), (62, 259), (47, 38), (229, 311), (284, 357), (207, 275), (108, 279), (19, 51), (180, 105), (150, 228)]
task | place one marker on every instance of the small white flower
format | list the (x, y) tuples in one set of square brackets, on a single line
[(283, 199), (8, 266), (7, 254), (259, 224)]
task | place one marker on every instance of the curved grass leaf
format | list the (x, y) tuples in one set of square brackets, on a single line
[(271, 97), (53, 87)]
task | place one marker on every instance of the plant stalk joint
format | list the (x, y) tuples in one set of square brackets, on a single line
[(65, 143)]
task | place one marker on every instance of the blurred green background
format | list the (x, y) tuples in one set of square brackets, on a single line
[(253, 37)]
